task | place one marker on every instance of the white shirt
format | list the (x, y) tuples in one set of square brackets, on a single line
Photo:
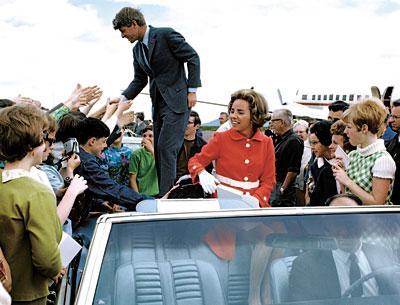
[(5, 298), (224, 127), (342, 262)]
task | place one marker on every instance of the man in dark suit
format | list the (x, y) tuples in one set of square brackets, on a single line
[(160, 54), (393, 147), (326, 274)]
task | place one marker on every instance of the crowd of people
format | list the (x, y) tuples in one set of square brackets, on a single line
[(64, 164)]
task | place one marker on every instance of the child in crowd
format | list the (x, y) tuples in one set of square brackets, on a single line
[(142, 167)]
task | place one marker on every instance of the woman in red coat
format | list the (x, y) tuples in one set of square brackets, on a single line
[(244, 156)]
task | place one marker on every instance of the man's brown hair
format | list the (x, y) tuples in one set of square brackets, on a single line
[(126, 16)]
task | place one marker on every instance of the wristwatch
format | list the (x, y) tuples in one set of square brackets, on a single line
[(67, 181), (282, 190)]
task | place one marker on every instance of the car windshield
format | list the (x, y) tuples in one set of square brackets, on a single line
[(299, 259)]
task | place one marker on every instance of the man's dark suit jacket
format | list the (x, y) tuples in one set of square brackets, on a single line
[(314, 275), (168, 51), (393, 147)]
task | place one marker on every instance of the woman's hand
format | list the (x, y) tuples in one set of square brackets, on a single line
[(78, 185), (73, 162), (208, 182), (340, 175), (60, 275)]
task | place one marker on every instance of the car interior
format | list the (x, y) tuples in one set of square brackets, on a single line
[(203, 261)]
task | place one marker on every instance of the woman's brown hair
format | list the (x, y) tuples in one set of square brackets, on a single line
[(21, 129), (257, 104)]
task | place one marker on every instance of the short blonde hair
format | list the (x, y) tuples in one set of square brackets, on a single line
[(370, 112)]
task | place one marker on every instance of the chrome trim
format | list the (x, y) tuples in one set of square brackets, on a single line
[(94, 260), (290, 211)]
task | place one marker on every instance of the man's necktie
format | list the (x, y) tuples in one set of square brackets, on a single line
[(145, 50), (355, 274)]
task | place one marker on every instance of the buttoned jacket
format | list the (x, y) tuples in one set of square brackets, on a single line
[(241, 159)]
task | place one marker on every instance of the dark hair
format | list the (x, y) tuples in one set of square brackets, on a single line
[(147, 128), (396, 103), (196, 116), (257, 104), (322, 130), (224, 113), (345, 195), (21, 130), (126, 16), (140, 116), (68, 125), (338, 106), (91, 128), (6, 103)]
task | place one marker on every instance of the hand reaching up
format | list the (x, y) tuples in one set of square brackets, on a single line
[(125, 118)]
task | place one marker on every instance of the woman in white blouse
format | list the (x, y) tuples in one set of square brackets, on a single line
[(371, 170)]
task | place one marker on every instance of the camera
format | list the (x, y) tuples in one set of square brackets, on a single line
[(71, 146)]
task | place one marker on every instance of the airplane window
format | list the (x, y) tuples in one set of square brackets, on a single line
[(319, 96), (359, 97), (337, 97), (351, 97), (344, 97), (313, 97), (325, 97), (304, 97), (331, 97)]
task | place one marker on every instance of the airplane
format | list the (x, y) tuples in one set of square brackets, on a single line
[(324, 99)]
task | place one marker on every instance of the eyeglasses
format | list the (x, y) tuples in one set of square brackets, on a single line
[(47, 138)]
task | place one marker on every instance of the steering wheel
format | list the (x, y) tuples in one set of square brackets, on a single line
[(379, 271)]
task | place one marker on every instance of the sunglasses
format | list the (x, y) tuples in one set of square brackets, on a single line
[(48, 139)]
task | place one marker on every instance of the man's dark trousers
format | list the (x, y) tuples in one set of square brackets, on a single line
[(169, 131)]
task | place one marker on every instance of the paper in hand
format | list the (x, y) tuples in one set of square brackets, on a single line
[(340, 153), (69, 248)]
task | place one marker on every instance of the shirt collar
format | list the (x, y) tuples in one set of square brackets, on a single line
[(286, 134), (344, 256), (12, 174), (378, 145), (146, 36), (236, 136)]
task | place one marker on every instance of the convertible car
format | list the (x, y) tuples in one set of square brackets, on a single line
[(243, 256)]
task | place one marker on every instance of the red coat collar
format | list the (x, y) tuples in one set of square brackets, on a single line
[(236, 136)]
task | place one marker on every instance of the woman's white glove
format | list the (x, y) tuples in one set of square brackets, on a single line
[(251, 201), (208, 182)]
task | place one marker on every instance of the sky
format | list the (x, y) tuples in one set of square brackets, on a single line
[(48, 46)]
